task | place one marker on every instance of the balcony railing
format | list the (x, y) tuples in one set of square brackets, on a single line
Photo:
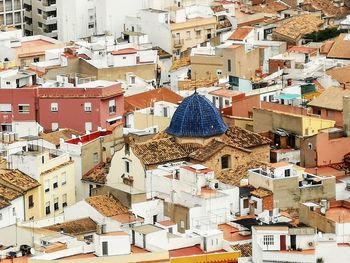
[(178, 43)]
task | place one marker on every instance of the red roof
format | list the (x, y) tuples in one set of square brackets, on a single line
[(89, 137), (189, 251), (146, 99), (241, 33), (124, 51), (302, 49)]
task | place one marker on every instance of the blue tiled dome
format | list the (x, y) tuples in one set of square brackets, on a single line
[(196, 117)]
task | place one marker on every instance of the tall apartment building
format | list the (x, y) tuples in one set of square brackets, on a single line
[(11, 13), (40, 18)]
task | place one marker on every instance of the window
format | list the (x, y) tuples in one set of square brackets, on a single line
[(132, 79), (64, 200), (47, 185), (0, 216), (54, 126), (309, 146), (87, 107), (95, 157), (271, 98), (30, 201), (47, 208), (268, 240), (88, 126), (227, 102), (198, 34), (246, 203), (112, 108), (287, 173), (234, 81), (42, 159), (229, 65), (127, 167), (182, 224), (23, 108), (14, 211), (54, 107), (165, 112), (64, 178), (91, 25), (5, 108), (225, 162), (218, 72), (55, 205), (36, 60), (188, 34), (55, 182)]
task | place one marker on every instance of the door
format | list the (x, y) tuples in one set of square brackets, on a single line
[(105, 248), (154, 219), (283, 242), (293, 242)]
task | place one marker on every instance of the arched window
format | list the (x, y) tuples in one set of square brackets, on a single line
[(226, 162)]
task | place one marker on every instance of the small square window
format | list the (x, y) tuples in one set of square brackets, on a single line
[(87, 107), (54, 107)]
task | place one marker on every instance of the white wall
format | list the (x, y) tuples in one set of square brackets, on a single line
[(8, 216), (117, 244), (148, 209)]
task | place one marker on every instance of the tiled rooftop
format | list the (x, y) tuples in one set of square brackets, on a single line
[(146, 99), (231, 234), (107, 206), (18, 180), (159, 151), (76, 227), (54, 137), (98, 174), (9, 193)]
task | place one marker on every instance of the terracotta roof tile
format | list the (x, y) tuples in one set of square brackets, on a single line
[(98, 174), (246, 249), (261, 192), (159, 151), (54, 137), (298, 26), (76, 227), (241, 138), (125, 51), (9, 193), (342, 75), (331, 98), (4, 203), (326, 47), (328, 8), (107, 205), (341, 48), (146, 99), (234, 176), (18, 180), (204, 153), (241, 33)]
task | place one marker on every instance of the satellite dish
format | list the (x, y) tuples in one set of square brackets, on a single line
[(32, 251)]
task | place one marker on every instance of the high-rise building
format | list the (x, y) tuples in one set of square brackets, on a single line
[(40, 17), (11, 13)]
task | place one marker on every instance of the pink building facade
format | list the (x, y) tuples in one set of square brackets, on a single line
[(81, 109)]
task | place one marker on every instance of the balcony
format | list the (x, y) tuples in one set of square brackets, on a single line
[(178, 43)]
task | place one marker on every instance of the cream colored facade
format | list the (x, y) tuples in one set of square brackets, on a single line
[(56, 176), (192, 32), (144, 120)]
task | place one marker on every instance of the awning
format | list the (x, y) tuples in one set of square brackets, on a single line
[(287, 96), (114, 119)]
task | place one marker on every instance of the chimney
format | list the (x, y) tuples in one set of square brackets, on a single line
[(346, 115)]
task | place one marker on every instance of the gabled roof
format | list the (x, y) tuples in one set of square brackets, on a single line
[(204, 153), (98, 174), (76, 227), (107, 205), (146, 99), (331, 98), (159, 151), (241, 33), (298, 26), (342, 75), (9, 193), (241, 138), (340, 48), (18, 180)]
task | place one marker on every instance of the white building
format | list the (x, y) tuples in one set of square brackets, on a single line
[(11, 206)]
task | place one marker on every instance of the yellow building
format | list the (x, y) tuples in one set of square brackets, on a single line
[(192, 32), (303, 125), (27, 186), (55, 173)]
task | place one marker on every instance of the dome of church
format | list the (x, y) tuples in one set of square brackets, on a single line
[(196, 116)]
